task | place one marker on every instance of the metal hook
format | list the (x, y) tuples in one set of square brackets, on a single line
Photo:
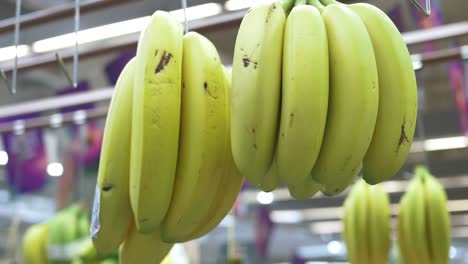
[(425, 11), (75, 53), (63, 69)]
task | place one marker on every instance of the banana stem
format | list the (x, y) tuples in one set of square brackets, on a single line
[(317, 4), (300, 2), (329, 2), (287, 5)]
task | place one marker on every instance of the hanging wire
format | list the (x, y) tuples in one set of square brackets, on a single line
[(62, 68), (75, 54), (16, 40), (184, 7), (425, 11)]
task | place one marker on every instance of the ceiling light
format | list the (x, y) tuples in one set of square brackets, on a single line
[(326, 227), (92, 34), (287, 216), (199, 11), (55, 169), (335, 247), (445, 143), (453, 252), (120, 28), (234, 5), (8, 53), (265, 198)]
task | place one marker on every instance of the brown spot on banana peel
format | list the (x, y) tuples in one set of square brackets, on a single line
[(107, 188), (291, 120), (403, 137), (165, 59), (270, 11), (246, 61)]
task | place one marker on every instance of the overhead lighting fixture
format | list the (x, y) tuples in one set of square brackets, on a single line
[(93, 34), (119, 29), (287, 216), (3, 158), (198, 12), (234, 5), (326, 227), (445, 143), (335, 247), (55, 169), (265, 198), (8, 53)]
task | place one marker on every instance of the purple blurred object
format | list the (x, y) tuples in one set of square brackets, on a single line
[(263, 231), (115, 67), (297, 260), (95, 132), (27, 169)]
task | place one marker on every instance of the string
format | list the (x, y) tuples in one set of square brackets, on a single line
[(184, 7), (16, 40)]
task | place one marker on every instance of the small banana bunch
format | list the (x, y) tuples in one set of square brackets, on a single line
[(61, 240), (166, 172), (320, 92), (423, 221), (366, 224)]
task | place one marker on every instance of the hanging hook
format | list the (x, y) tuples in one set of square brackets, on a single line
[(75, 53), (425, 11), (63, 69), (184, 7)]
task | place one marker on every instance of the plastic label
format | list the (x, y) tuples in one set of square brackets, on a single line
[(95, 224)]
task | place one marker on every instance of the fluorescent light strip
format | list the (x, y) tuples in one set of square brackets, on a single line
[(8, 53), (436, 144), (330, 213), (234, 5), (120, 28)]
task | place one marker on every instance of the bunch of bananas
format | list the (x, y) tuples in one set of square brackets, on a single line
[(61, 240), (166, 172), (366, 224), (423, 221), (319, 92)]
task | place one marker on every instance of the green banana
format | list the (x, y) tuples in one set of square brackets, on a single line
[(304, 101), (438, 220), (415, 222), (156, 120), (115, 212), (304, 190), (379, 225), (361, 222), (35, 244), (256, 87)]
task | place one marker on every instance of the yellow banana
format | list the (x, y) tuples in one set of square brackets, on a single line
[(379, 225), (415, 222), (231, 182), (438, 220), (256, 84), (353, 100), (339, 187), (115, 212), (156, 120), (143, 248), (304, 99), (398, 102), (271, 180), (203, 144)]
